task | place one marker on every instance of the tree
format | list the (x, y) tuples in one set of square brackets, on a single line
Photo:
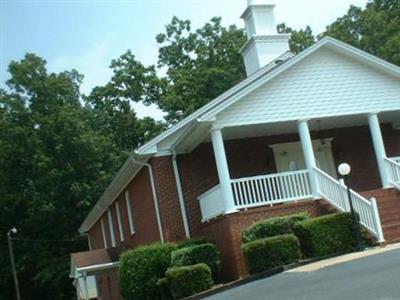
[(111, 105), (299, 39), (374, 29), (200, 65), (56, 158)]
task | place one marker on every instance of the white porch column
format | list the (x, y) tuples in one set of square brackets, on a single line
[(223, 170), (308, 152), (379, 147)]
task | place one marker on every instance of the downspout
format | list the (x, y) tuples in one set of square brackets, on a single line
[(180, 195), (155, 198)]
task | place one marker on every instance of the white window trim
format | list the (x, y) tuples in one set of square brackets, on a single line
[(111, 227), (89, 242), (119, 221), (103, 233), (129, 210)]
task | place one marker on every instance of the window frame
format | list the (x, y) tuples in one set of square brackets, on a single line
[(119, 221), (111, 228), (103, 233), (128, 205)]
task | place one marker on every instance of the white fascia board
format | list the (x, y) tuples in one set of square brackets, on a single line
[(361, 55), (327, 41), (97, 268)]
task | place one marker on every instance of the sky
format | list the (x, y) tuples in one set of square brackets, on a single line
[(87, 34)]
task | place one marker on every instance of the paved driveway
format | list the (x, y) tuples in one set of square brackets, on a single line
[(373, 277)]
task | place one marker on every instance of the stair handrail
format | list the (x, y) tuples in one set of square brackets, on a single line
[(335, 193)]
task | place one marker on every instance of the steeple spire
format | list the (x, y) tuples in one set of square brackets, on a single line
[(264, 43)]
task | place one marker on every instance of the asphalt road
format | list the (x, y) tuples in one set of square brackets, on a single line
[(374, 277)]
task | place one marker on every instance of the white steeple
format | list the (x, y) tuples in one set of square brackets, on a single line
[(264, 43)]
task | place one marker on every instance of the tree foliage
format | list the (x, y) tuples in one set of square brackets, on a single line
[(299, 39), (374, 29), (198, 65), (56, 158)]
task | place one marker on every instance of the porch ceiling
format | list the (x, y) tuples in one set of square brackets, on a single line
[(315, 124), (201, 133)]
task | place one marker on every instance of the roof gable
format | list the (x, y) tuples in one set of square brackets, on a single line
[(326, 83)]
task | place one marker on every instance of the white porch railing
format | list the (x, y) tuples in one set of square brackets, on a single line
[(393, 169), (271, 189), (336, 193), (211, 203), (256, 191)]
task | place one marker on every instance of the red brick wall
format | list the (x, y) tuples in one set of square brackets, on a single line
[(145, 223), (108, 286), (225, 232), (95, 236), (143, 214), (168, 200)]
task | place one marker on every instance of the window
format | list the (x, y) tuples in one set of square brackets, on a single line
[(119, 221), (129, 210), (89, 242), (111, 227), (103, 232)]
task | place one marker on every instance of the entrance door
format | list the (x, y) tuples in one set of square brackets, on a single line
[(289, 156)]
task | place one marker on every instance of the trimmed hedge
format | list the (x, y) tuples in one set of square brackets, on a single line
[(326, 235), (190, 280), (202, 253), (264, 254), (192, 242), (163, 286), (272, 227), (141, 268)]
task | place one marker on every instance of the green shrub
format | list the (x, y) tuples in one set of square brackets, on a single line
[(264, 254), (163, 286), (189, 280), (326, 235), (141, 268), (192, 242), (272, 227), (203, 253)]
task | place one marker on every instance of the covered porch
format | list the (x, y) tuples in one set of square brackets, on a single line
[(305, 156)]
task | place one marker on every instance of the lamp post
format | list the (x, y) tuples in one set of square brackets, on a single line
[(14, 271), (344, 170)]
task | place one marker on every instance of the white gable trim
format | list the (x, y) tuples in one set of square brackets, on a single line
[(359, 54)]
